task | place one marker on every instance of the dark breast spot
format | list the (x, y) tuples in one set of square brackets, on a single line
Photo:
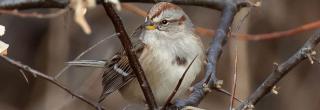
[(181, 61)]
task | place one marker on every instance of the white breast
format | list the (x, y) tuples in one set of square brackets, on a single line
[(159, 63)]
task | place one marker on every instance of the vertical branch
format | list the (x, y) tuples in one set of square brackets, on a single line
[(215, 51), (133, 60), (235, 76)]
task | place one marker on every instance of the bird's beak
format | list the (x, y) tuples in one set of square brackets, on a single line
[(149, 25)]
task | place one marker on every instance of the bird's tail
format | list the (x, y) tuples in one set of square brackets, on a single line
[(88, 63)]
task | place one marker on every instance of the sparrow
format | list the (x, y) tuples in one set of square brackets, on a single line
[(165, 44)]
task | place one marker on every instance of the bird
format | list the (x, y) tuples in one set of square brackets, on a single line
[(166, 44)]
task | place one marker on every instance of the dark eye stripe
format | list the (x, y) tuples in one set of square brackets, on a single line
[(180, 20)]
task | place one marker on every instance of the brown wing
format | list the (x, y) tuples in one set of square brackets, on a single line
[(118, 72)]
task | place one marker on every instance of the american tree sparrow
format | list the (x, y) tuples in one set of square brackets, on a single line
[(166, 45)]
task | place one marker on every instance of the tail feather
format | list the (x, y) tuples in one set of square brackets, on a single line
[(88, 63)]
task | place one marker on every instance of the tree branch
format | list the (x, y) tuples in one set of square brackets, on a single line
[(280, 71), (27, 4), (215, 51), (51, 80), (132, 57)]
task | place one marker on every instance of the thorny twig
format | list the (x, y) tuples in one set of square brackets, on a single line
[(280, 71), (132, 57), (50, 79)]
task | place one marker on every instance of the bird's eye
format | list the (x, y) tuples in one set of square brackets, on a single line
[(164, 21)]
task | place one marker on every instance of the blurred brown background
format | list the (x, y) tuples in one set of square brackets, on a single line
[(45, 44)]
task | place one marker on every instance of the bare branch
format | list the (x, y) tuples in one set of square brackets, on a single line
[(133, 60), (280, 72), (51, 80)]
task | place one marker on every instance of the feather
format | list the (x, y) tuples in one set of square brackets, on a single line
[(117, 72)]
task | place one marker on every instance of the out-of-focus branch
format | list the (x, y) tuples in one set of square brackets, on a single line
[(205, 32), (29, 4), (280, 71), (281, 34), (132, 57), (134, 9), (51, 80), (33, 14)]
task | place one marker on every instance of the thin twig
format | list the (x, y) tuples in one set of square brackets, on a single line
[(33, 14), (227, 93), (280, 71), (235, 76), (83, 53), (24, 75), (51, 80), (177, 86), (132, 57)]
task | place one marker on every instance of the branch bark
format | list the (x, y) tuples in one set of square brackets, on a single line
[(133, 60), (280, 71)]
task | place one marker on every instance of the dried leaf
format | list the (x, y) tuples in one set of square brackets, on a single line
[(3, 48), (2, 30), (80, 8)]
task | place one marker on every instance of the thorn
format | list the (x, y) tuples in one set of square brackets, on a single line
[(310, 54), (275, 66), (24, 76), (275, 90), (250, 107), (310, 58), (218, 84), (206, 88)]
